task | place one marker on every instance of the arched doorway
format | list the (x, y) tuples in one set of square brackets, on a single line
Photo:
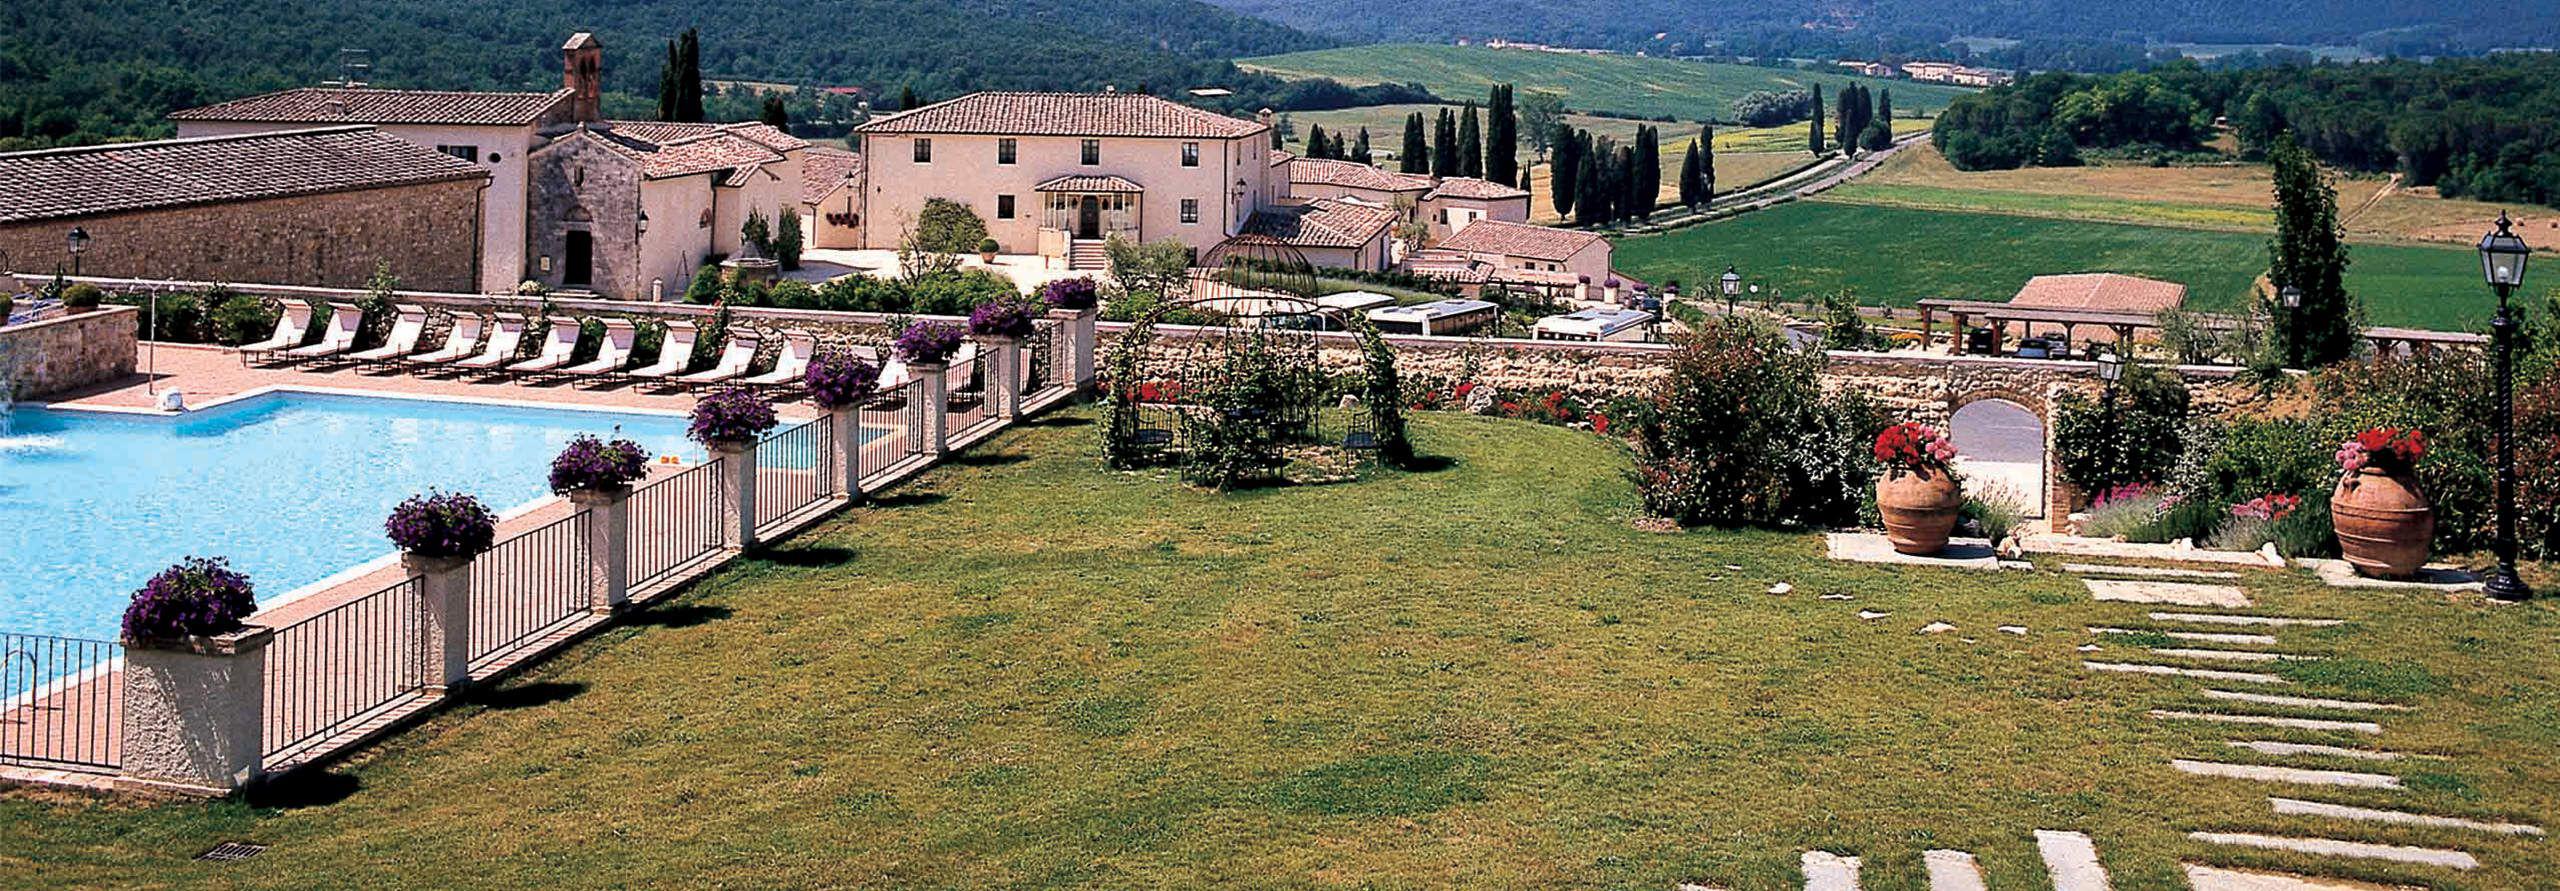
[(2000, 450)]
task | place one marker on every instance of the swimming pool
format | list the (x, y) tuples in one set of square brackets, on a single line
[(291, 486)]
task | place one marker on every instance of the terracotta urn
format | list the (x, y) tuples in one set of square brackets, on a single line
[(1920, 508), (2384, 523)]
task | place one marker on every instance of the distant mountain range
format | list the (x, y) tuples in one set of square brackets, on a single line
[(2397, 25)]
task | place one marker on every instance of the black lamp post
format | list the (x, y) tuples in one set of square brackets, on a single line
[(2503, 256), (1732, 282), (78, 241), (2110, 368), (2292, 297)]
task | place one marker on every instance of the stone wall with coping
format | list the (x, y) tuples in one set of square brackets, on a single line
[(40, 360)]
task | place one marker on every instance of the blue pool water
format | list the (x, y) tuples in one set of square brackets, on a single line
[(291, 487)]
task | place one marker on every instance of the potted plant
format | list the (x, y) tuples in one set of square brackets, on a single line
[(82, 297), (987, 248), (1077, 294), (732, 418), (440, 531), (2384, 523), (928, 343), (591, 470), (1918, 496), (183, 606), (839, 380), (1001, 317)]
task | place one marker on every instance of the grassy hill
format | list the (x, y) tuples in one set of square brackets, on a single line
[(1622, 85)]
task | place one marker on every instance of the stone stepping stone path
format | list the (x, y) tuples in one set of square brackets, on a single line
[(2404, 818), (2208, 674), (1826, 871), (2149, 572), (2072, 861), (2330, 847), (2237, 619), (2172, 593), (2365, 727), (2215, 878), (2289, 749), (2301, 776), (1952, 871), (2229, 655), (2220, 637), (2344, 705)]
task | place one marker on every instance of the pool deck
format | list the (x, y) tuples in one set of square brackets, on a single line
[(209, 375)]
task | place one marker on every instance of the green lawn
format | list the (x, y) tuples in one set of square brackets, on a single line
[(1027, 672), (1897, 255), (1624, 85)]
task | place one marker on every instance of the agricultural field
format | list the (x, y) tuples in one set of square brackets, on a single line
[(1896, 255), (1619, 85)]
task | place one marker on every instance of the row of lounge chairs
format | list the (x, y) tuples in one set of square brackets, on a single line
[(491, 344)]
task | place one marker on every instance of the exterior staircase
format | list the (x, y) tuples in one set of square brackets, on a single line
[(1088, 253)]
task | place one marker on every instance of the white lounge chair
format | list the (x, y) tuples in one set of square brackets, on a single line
[(345, 319), (733, 362), (611, 354), (502, 345), (403, 340), (290, 327), (675, 351), (556, 350), (460, 341), (798, 347)]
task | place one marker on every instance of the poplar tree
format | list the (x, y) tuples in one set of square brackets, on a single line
[(2309, 252)]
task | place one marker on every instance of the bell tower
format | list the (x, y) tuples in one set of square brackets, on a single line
[(582, 74)]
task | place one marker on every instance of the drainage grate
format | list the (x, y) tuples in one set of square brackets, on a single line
[(229, 851)]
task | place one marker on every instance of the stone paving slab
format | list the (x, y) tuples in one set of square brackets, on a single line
[(1952, 871), (2072, 861), (2268, 774), (2214, 878), (2272, 747), (2330, 847), (1872, 547), (2344, 705), (2236, 619), (2220, 637), (2208, 674), (2150, 572), (2104, 549), (2172, 593), (2432, 577), (2365, 727), (2404, 818), (2229, 655), (1826, 871)]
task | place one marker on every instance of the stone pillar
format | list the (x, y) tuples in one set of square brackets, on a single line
[(444, 596), (608, 546), (195, 711), (1004, 375), (738, 511), (1076, 325), (844, 471), (935, 437)]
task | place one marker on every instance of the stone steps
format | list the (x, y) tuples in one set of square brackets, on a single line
[(1826, 871), (2330, 847), (2209, 674), (2149, 572), (2271, 747), (2364, 727), (2300, 776), (2071, 860), (2343, 705), (2229, 655), (2220, 637), (2403, 818), (2215, 878), (1952, 871), (2171, 593), (2243, 619)]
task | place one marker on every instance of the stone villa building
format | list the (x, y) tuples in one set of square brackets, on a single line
[(1447, 204)]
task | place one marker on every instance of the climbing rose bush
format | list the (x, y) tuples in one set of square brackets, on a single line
[(1914, 447), (592, 463), (1001, 318), (928, 342), (198, 596), (1071, 293), (838, 379), (733, 414), (442, 524)]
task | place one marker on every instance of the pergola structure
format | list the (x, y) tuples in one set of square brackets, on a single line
[(2398, 341), (1998, 317)]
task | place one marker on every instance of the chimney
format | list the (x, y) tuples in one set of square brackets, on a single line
[(1263, 116), (582, 74)]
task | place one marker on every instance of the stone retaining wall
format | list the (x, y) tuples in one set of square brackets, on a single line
[(40, 360)]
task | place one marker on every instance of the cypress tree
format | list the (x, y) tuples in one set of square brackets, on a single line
[(1528, 178), (1644, 174), (1689, 193), (667, 85), (1879, 129), (1444, 145), (1315, 141), (689, 76), (1470, 144), (907, 100), (1706, 164), (1564, 170), (1416, 155), (1360, 150), (1502, 137), (1590, 186), (774, 113), (1276, 141), (1813, 139), (2309, 252)]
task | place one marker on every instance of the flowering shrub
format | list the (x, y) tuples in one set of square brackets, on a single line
[(838, 379), (1915, 448), (1001, 318), (1555, 407), (2272, 506), (1157, 391), (2384, 449), (1078, 293), (734, 414), (592, 463), (929, 342), (1742, 433), (442, 524), (198, 596)]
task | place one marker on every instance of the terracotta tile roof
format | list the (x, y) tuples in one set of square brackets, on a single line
[(668, 131), (2104, 291), (1323, 222), (1279, 157), (332, 105), (1438, 264), (1079, 182), (1518, 240), (823, 169), (1065, 114), (688, 149), (1472, 188), (132, 176), (1354, 175)]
